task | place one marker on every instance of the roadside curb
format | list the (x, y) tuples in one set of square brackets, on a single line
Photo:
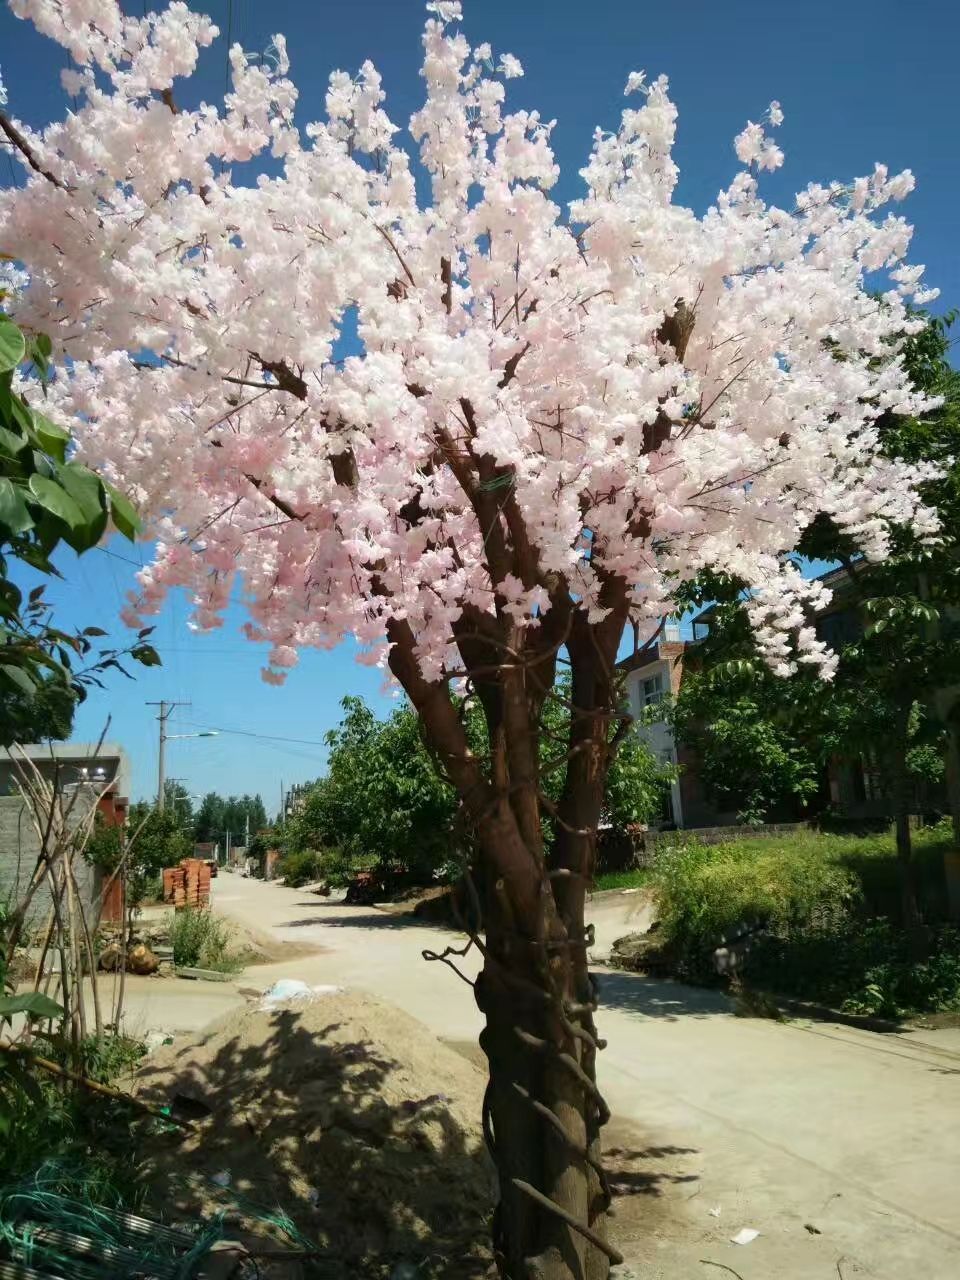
[(824, 1013), (602, 894)]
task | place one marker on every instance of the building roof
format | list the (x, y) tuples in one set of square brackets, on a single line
[(80, 754), (650, 653), (65, 751)]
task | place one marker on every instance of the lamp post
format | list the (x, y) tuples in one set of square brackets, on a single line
[(165, 709)]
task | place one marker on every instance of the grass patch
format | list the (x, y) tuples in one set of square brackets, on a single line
[(635, 878), (202, 941), (817, 916), (86, 1142)]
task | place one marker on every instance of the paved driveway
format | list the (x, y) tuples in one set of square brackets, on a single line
[(841, 1147)]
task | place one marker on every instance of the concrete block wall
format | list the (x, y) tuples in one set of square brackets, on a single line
[(19, 849)]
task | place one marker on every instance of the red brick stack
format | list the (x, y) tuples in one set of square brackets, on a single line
[(187, 885)]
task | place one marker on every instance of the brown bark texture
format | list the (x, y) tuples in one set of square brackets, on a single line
[(543, 1111)]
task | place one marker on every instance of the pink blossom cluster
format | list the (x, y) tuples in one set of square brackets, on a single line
[(654, 391)]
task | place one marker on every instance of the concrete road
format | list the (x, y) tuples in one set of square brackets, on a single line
[(841, 1147)]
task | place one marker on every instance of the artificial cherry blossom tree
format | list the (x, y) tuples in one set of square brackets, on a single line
[(402, 395)]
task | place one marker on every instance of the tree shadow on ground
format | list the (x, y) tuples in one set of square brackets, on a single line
[(372, 919), (633, 1172), (373, 1167), (659, 997), (305, 1113)]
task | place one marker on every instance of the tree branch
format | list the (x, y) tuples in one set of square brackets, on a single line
[(446, 277), (23, 146)]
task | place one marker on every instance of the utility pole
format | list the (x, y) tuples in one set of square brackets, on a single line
[(165, 709), (283, 804), (246, 831)]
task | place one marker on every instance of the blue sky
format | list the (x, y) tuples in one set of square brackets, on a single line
[(859, 81)]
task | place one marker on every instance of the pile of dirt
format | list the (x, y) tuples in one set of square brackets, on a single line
[(346, 1114), (255, 947)]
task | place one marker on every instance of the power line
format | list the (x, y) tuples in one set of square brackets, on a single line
[(137, 564), (248, 733)]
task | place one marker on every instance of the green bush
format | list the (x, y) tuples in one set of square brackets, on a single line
[(710, 894), (872, 859), (865, 968), (300, 867), (821, 914), (202, 941)]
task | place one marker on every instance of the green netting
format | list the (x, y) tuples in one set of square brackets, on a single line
[(67, 1233), (49, 1224)]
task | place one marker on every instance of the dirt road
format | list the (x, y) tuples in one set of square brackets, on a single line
[(841, 1147)]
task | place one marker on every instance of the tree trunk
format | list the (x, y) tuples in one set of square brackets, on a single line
[(543, 1111), (909, 903), (953, 774), (910, 915)]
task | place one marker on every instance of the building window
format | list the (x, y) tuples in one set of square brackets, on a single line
[(651, 691), (839, 629)]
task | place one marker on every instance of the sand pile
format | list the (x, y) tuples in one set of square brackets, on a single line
[(347, 1114)]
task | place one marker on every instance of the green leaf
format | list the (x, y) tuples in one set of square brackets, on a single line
[(12, 344), (54, 498), (123, 514), (11, 593), (14, 514), (33, 1003), (34, 556), (21, 414), (10, 442), (50, 437), (19, 677), (88, 493), (146, 654), (40, 350)]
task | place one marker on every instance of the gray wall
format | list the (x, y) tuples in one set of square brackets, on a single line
[(19, 849)]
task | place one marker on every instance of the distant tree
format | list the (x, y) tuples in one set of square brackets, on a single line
[(218, 814), (753, 752), (210, 819), (157, 840), (383, 800), (178, 801)]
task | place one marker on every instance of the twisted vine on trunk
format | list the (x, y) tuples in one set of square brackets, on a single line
[(544, 1112)]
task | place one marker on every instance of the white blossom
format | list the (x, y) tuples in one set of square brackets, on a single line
[(646, 391)]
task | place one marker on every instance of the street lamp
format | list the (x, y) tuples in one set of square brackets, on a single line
[(165, 709)]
